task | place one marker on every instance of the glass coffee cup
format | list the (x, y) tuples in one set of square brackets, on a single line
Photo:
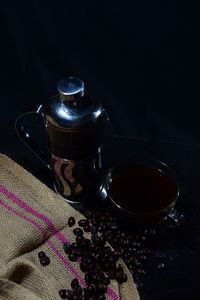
[(143, 191)]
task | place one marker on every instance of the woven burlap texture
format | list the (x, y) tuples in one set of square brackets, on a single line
[(32, 219)]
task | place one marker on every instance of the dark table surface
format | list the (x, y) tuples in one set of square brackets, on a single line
[(180, 279)]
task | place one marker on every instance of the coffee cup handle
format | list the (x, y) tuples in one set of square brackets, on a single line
[(174, 218), (26, 137)]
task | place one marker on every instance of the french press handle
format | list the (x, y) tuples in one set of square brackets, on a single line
[(26, 137)]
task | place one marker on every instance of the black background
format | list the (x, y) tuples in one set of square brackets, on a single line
[(139, 58)]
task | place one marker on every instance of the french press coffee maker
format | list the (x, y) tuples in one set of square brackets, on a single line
[(73, 124)]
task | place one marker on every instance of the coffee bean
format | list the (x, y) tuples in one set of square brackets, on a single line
[(83, 267), (87, 260), (147, 251), (74, 282), (110, 260), (75, 246), (137, 263), (125, 278), (91, 297), (93, 229), (67, 248), (71, 221), (78, 231), (143, 258), (160, 254), (152, 232), (89, 290), (77, 252), (77, 289), (86, 243), (79, 239), (66, 294), (111, 274), (161, 266), (139, 284), (118, 275), (83, 223), (63, 294), (126, 255), (73, 257), (101, 288), (87, 228), (106, 281), (87, 278), (41, 254), (45, 261), (94, 278), (141, 271), (101, 297), (87, 213)]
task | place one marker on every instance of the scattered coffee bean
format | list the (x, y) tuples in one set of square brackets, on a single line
[(78, 231), (161, 266), (77, 252), (152, 232), (74, 282), (89, 290), (139, 284), (141, 271), (96, 257), (77, 289), (79, 239), (106, 281), (87, 213), (101, 288), (101, 297), (87, 260), (72, 257), (41, 254), (93, 229), (143, 258), (83, 267), (71, 221), (87, 228), (63, 294), (111, 274), (160, 254), (67, 248), (45, 261), (147, 251), (83, 223), (75, 246)]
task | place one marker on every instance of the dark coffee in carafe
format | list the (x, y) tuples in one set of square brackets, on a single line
[(74, 130)]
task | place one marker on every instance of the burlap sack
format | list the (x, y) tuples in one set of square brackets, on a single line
[(32, 219)]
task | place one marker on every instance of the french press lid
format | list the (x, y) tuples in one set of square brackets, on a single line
[(72, 107)]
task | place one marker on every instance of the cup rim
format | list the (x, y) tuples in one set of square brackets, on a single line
[(137, 162)]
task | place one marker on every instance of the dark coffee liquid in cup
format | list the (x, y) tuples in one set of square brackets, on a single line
[(143, 189)]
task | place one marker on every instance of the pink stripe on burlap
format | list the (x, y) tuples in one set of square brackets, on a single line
[(10, 209), (69, 267), (35, 213), (51, 245), (52, 229)]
